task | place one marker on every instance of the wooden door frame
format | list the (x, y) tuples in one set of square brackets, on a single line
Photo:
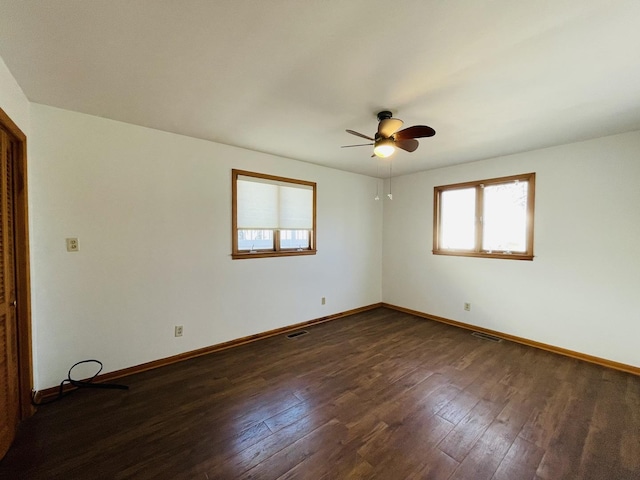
[(23, 283)]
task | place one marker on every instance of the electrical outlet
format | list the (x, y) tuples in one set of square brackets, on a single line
[(72, 245), (177, 331), (467, 307), (323, 301)]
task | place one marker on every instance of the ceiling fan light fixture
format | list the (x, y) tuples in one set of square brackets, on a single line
[(384, 148), (389, 136)]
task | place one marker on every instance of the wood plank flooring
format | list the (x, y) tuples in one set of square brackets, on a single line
[(378, 395)]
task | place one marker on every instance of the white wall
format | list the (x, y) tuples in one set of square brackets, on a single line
[(152, 212), (578, 293), (12, 100)]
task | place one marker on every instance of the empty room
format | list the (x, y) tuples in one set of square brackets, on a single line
[(319, 240)]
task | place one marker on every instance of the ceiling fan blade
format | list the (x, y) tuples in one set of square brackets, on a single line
[(359, 135), (389, 126), (417, 131), (358, 145), (408, 144)]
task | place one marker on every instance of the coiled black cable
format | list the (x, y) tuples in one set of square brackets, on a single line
[(80, 384)]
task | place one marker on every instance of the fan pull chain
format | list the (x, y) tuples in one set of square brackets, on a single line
[(377, 197)]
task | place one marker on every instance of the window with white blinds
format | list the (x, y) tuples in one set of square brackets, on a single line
[(272, 216)]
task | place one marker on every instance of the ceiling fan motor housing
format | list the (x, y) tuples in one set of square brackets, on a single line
[(385, 114)]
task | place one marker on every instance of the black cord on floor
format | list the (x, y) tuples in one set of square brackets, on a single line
[(81, 384)]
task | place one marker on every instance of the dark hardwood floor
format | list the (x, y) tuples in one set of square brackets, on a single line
[(378, 395)]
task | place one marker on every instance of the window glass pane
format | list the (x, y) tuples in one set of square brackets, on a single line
[(457, 214), (505, 217), (294, 239), (255, 239)]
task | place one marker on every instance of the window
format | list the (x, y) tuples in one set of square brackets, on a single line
[(272, 216), (488, 218)]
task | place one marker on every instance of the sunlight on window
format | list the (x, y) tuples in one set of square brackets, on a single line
[(505, 217), (458, 219), (490, 218)]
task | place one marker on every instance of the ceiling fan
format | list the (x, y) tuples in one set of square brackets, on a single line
[(388, 137)]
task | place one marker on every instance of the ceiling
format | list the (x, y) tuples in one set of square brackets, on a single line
[(287, 77)]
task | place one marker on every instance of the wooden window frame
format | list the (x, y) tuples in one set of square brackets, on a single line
[(276, 251), (477, 251)]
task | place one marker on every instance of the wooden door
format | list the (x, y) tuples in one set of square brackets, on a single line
[(9, 374)]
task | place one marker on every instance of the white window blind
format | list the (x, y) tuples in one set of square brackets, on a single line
[(270, 204)]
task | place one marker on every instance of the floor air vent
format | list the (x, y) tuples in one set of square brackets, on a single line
[(297, 334), (486, 336)]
